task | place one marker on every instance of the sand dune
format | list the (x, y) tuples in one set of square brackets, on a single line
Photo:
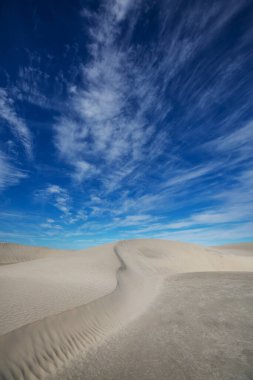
[(60, 281), (141, 309), (237, 249), (15, 253)]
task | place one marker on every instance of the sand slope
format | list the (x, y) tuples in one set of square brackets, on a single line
[(57, 310), (15, 253), (50, 284)]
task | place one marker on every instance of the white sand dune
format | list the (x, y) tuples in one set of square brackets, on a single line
[(141, 309), (237, 249), (15, 253), (60, 281)]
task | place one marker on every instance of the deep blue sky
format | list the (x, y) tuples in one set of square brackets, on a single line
[(124, 119)]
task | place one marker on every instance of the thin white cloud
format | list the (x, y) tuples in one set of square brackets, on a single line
[(119, 119), (239, 142), (59, 198), (51, 226), (230, 205), (105, 124), (17, 125), (121, 7), (132, 220), (56, 196), (184, 176), (217, 215), (110, 106), (210, 236), (54, 189), (9, 174), (83, 170)]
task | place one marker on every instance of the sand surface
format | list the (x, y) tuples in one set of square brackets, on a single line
[(140, 309)]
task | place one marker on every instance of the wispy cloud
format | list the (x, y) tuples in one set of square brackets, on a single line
[(121, 129), (187, 175), (237, 143), (120, 8), (17, 125), (125, 89), (55, 195), (59, 198), (148, 125), (132, 220), (110, 107), (210, 236), (230, 207), (9, 174)]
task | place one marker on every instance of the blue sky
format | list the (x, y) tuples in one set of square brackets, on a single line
[(125, 119)]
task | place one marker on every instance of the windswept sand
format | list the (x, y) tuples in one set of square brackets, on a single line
[(140, 309)]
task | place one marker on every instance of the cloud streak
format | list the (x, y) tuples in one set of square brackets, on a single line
[(17, 125), (9, 174)]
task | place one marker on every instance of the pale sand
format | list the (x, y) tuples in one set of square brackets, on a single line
[(15, 253), (141, 309)]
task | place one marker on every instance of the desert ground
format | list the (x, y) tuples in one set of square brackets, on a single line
[(138, 309)]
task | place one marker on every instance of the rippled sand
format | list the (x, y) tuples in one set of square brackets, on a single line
[(140, 309)]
